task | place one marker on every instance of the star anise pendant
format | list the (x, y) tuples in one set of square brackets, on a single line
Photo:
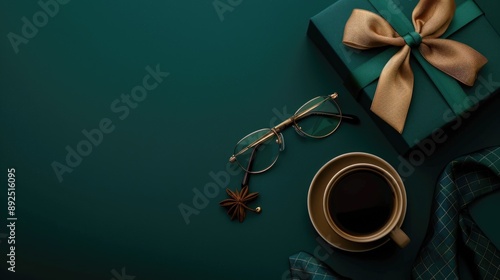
[(237, 203)]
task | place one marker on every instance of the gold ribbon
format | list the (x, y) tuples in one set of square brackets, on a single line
[(431, 18)]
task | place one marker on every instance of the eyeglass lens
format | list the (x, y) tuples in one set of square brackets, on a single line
[(320, 122), (266, 152)]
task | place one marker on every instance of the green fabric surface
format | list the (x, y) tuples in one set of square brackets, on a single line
[(118, 212)]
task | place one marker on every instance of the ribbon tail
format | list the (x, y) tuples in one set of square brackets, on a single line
[(453, 58), (394, 90)]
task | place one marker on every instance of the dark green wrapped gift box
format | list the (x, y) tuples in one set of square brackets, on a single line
[(429, 111)]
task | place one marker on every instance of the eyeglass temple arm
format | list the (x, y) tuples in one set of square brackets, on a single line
[(286, 123), (246, 178), (352, 119), (306, 112)]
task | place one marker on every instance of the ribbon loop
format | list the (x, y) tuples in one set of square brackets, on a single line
[(413, 39), (442, 58)]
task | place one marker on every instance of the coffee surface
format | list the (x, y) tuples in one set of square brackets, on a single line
[(361, 202)]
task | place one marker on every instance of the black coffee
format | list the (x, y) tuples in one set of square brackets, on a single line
[(361, 202)]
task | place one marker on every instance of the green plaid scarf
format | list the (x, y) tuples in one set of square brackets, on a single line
[(304, 266), (463, 181)]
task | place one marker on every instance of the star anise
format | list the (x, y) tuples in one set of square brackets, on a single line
[(237, 203)]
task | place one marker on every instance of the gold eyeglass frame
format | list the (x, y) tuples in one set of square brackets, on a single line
[(291, 121)]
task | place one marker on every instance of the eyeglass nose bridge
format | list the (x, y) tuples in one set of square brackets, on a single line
[(280, 139), (299, 131)]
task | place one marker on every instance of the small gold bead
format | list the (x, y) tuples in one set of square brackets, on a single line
[(258, 209)]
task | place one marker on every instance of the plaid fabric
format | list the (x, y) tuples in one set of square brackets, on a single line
[(304, 266), (463, 181)]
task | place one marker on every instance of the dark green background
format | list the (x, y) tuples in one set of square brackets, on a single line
[(119, 207)]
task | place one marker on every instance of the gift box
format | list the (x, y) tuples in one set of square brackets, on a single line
[(434, 108)]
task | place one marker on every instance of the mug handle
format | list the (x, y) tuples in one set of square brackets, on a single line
[(398, 236)]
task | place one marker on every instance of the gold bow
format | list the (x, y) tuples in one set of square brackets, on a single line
[(431, 18)]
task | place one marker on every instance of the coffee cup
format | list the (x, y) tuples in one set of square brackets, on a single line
[(363, 203)]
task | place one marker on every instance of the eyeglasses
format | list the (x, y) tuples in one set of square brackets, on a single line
[(317, 118)]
